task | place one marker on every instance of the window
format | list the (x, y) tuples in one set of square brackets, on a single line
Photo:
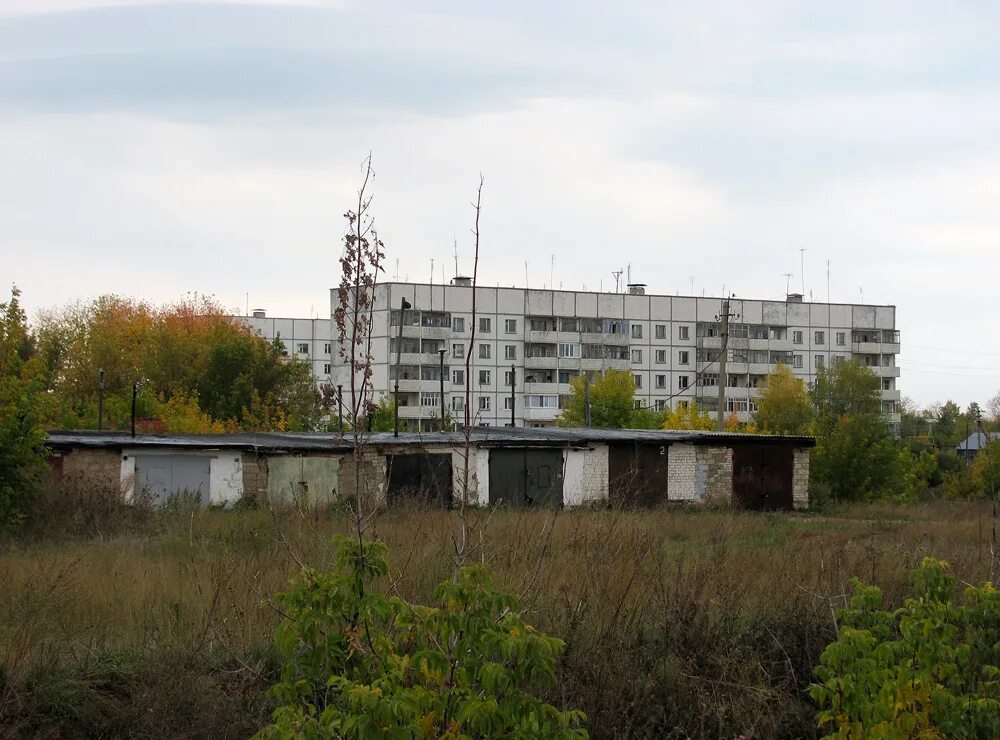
[(485, 325), (326, 369), (485, 377), (819, 362), (837, 360), (660, 331), (303, 348), (682, 332), (564, 376), (431, 400), (484, 352), (736, 404), (510, 326), (636, 356), (458, 324), (708, 379), (458, 351), (636, 331), (682, 404), (638, 380), (841, 339), (458, 377), (484, 403), (796, 360), (510, 352), (508, 403), (819, 337), (796, 337), (637, 404), (661, 357), (660, 404), (326, 348), (458, 403), (569, 350), (682, 381), (661, 381), (568, 325), (543, 402), (508, 378), (683, 357)]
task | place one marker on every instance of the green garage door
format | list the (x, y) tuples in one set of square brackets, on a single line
[(526, 477)]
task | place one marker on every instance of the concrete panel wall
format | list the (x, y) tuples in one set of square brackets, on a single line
[(753, 311), (800, 479), (773, 313), (681, 474), (369, 485), (586, 478)]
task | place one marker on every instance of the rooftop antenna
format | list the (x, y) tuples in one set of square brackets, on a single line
[(432, 285), (628, 274), (526, 275), (397, 269), (788, 282), (802, 268), (828, 281), (455, 238), (552, 272), (618, 276), (862, 292), (692, 285), (248, 303)]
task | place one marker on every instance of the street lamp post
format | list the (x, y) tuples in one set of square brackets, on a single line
[(403, 306)]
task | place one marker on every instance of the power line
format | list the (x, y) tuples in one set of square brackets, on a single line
[(947, 349)]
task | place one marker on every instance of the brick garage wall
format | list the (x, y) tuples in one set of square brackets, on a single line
[(254, 477), (800, 478), (372, 478), (715, 474), (682, 465), (90, 470)]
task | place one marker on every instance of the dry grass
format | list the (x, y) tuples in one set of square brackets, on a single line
[(678, 622)]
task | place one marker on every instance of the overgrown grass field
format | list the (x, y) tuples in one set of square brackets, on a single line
[(678, 623)]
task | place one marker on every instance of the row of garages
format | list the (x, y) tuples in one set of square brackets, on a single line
[(509, 467)]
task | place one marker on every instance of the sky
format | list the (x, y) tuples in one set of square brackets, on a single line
[(152, 149)]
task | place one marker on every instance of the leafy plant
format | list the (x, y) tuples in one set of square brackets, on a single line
[(930, 669), (361, 664)]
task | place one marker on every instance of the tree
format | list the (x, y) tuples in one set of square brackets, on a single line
[(946, 425), (855, 454), (191, 349), (688, 416), (612, 404), (784, 406), (22, 436)]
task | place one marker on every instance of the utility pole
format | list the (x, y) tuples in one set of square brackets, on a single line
[(100, 400), (513, 370), (404, 304), (441, 353), (723, 318)]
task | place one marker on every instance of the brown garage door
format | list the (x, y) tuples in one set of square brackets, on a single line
[(762, 477), (637, 474)]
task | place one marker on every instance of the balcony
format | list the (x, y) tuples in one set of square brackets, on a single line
[(427, 332), (886, 372), (532, 363), (410, 385), (409, 358), (893, 395), (709, 342), (541, 389), (535, 414), (413, 412), (542, 337)]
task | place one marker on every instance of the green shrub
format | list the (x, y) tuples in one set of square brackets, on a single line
[(360, 664), (930, 669)]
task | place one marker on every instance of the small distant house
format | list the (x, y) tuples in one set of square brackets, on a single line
[(974, 443)]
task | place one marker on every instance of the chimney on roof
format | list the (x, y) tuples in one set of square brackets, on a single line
[(637, 288), (259, 313), (462, 280), (794, 298)]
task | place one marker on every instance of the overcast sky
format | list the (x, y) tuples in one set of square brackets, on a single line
[(151, 149)]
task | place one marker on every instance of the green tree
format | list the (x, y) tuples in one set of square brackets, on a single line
[(22, 403), (784, 406), (612, 404), (947, 431), (855, 453)]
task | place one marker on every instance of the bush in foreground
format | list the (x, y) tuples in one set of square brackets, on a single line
[(930, 669), (360, 664)]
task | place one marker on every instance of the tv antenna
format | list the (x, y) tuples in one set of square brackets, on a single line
[(617, 275), (788, 282)]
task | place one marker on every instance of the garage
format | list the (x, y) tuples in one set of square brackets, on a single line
[(163, 478), (526, 477), (762, 477), (422, 478), (637, 474)]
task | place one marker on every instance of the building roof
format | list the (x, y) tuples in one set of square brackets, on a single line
[(481, 436), (976, 441)]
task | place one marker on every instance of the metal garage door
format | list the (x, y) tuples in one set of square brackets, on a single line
[(762, 476), (166, 477), (637, 474), (526, 477), (420, 477)]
